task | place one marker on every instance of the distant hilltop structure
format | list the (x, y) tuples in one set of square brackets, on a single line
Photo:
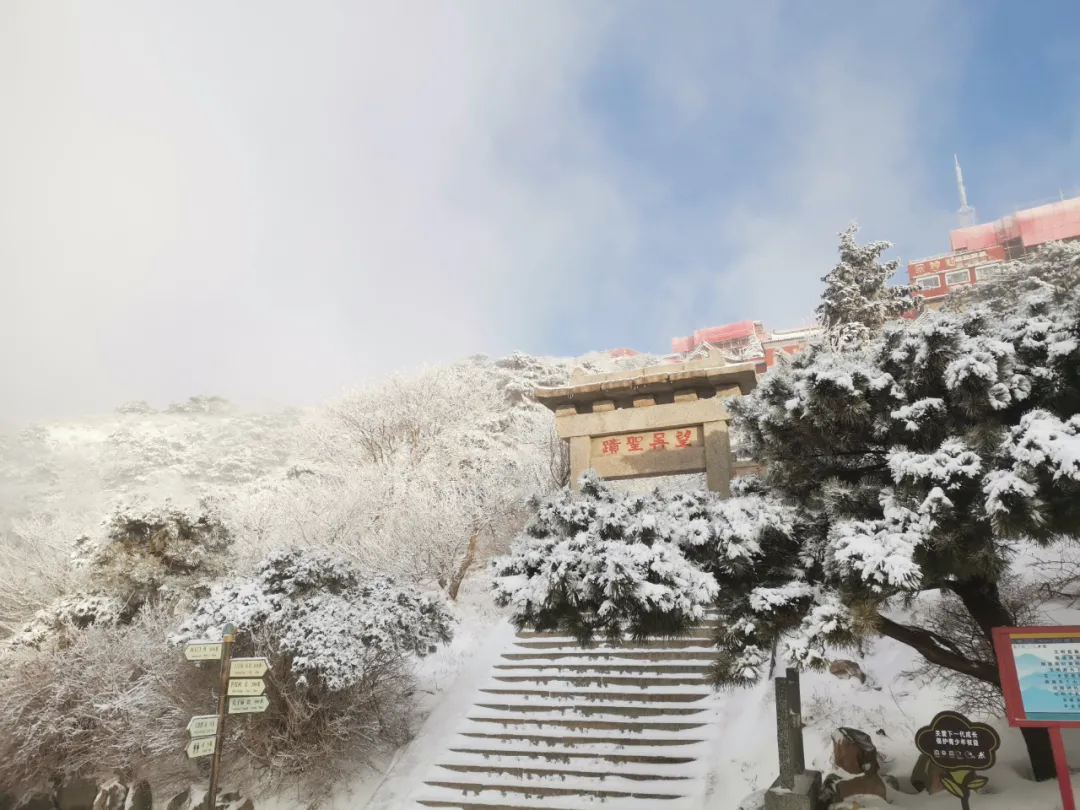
[(740, 342), (977, 252), (743, 342)]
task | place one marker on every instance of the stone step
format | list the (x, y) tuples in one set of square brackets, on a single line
[(534, 635), (603, 656), (503, 788), (653, 696), (571, 756), (652, 644), (576, 740), (643, 682), (559, 773), (588, 711), (633, 726), (528, 803), (624, 668)]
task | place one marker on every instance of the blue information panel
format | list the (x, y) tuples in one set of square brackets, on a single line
[(1048, 671)]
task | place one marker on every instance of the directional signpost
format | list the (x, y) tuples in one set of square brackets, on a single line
[(248, 667), (248, 705), (240, 692), (203, 726), (247, 686), (201, 747), (204, 651)]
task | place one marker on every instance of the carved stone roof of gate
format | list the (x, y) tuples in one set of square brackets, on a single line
[(697, 375)]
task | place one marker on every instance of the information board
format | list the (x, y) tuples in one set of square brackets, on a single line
[(1040, 674), (1048, 675)]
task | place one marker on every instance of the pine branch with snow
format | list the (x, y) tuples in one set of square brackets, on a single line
[(858, 299)]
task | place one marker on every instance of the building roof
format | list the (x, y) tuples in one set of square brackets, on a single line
[(655, 380), (730, 331), (1033, 226)]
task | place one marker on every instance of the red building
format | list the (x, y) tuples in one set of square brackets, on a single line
[(745, 342), (978, 251)]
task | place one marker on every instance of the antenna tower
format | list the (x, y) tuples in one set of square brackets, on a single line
[(965, 216)]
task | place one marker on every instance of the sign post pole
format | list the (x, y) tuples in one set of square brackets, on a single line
[(1061, 765), (215, 767)]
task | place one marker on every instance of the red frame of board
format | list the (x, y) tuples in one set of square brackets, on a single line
[(1010, 684)]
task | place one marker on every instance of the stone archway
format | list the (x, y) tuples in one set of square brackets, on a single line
[(664, 420)]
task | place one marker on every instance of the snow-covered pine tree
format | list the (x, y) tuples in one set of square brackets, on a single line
[(917, 462), (858, 298)]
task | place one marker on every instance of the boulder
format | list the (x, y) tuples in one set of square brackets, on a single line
[(854, 752), (926, 776), (179, 801), (76, 794), (847, 669), (869, 784), (111, 796), (37, 801), (141, 797)]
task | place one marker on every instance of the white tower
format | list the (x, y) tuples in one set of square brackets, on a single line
[(966, 215)]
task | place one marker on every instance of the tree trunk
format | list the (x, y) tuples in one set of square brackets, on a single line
[(463, 569), (1040, 753), (982, 598)]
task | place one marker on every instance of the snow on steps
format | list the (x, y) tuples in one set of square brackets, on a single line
[(624, 726)]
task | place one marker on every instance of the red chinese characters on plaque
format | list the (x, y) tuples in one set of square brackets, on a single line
[(650, 442)]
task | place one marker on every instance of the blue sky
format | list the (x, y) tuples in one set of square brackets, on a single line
[(272, 202)]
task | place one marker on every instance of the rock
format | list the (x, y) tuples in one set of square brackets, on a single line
[(37, 801), (179, 801), (76, 794), (854, 752), (847, 669), (141, 797), (111, 796), (869, 784), (926, 776)]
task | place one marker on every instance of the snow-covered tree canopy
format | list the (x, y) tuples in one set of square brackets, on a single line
[(330, 622), (858, 298), (915, 462)]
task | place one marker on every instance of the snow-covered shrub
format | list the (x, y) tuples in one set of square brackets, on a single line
[(34, 567), (58, 623), (607, 561), (329, 623), (116, 699), (138, 556), (341, 648), (136, 406), (140, 550)]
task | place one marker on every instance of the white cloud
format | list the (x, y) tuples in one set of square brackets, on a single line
[(264, 199)]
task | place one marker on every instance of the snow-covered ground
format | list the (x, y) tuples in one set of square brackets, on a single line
[(888, 707)]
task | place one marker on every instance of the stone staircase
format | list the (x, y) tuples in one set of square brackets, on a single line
[(562, 727)]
